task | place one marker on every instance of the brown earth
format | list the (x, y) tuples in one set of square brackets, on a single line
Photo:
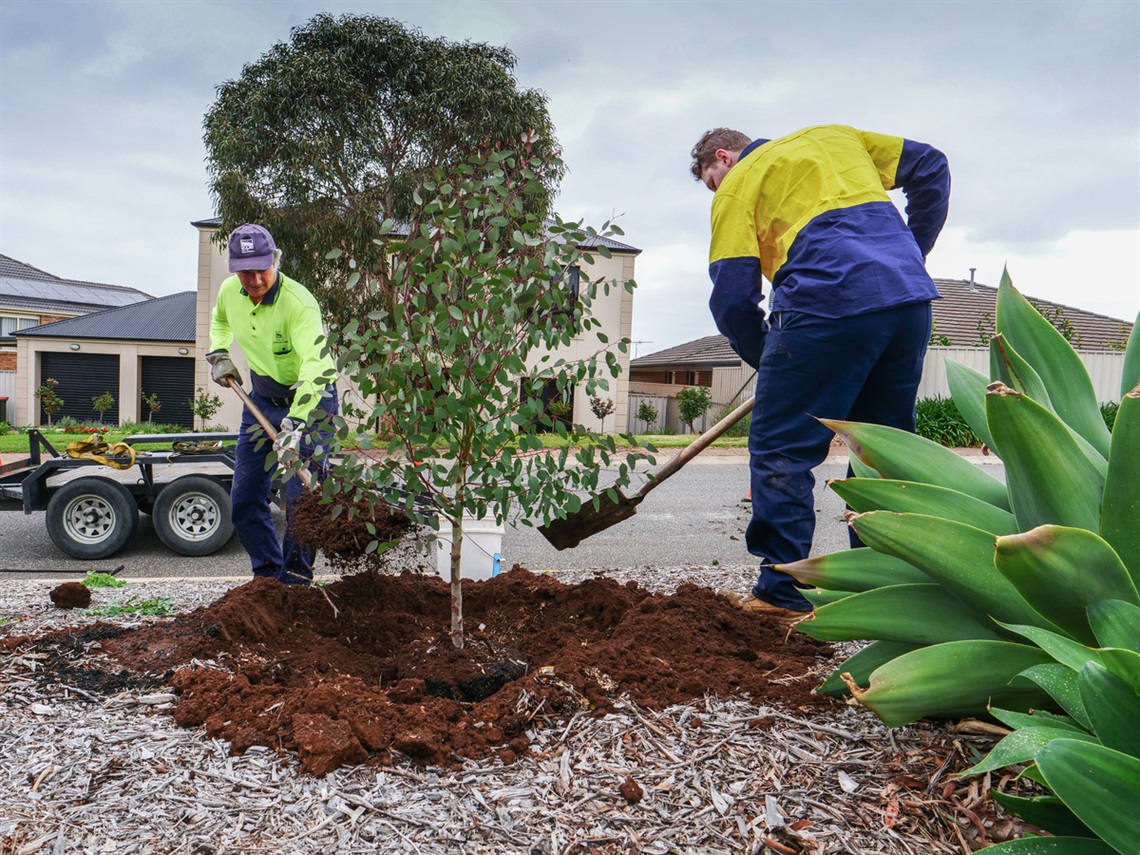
[(364, 669)]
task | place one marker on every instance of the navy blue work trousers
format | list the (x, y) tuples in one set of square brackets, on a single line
[(286, 561), (865, 369)]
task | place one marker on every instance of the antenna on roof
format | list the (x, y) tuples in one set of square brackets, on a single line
[(972, 288), (636, 353)]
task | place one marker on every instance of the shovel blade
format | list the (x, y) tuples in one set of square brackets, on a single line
[(588, 521)]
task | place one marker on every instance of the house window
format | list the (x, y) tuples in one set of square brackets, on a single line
[(670, 376), (9, 325), (572, 277), (690, 378)]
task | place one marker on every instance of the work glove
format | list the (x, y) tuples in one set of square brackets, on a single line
[(221, 367), (289, 437)]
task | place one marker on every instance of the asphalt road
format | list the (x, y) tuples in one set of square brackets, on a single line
[(695, 518)]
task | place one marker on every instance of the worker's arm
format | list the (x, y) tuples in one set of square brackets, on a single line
[(734, 268), (923, 174)]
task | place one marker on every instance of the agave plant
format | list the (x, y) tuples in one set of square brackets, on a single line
[(981, 596)]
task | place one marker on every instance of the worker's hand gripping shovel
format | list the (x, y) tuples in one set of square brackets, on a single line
[(270, 431)]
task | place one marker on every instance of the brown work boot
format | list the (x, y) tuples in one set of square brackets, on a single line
[(754, 605)]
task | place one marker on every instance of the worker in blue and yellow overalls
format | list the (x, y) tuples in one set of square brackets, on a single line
[(850, 314)]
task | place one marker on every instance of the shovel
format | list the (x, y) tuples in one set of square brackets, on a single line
[(270, 430), (588, 521)]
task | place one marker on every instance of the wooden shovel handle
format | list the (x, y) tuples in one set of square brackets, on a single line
[(698, 445), (270, 431)]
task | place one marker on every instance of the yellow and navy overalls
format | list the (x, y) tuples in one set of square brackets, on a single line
[(850, 307), (282, 338)]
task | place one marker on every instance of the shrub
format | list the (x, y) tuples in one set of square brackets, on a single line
[(741, 428), (647, 414), (693, 402), (1016, 599), (938, 420)]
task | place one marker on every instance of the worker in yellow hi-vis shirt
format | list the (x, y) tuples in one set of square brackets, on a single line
[(850, 315), (278, 324)]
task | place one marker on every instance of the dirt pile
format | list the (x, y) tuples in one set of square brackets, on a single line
[(364, 668)]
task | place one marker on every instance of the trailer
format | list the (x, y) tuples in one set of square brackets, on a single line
[(92, 516)]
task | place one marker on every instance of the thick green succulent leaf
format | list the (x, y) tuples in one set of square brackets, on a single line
[(905, 456), (1054, 359), (822, 596), (958, 678), (1053, 846), (1123, 663), (1037, 718), (861, 469), (1062, 648), (1063, 686), (853, 570), (1050, 480), (968, 391), (1113, 708), (1130, 378), (1116, 623), (1100, 785), (860, 665), (1061, 571), (1022, 746), (915, 613), (1049, 813), (1120, 510), (1007, 366), (888, 494), (957, 556)]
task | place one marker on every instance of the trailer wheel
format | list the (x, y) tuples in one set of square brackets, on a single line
[(192, 515), (92, 517)]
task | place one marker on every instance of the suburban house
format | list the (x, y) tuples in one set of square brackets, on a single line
[(29, 298), (963, 325), (615, 311)]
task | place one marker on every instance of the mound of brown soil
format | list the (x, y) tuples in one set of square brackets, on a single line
[(365, 668)]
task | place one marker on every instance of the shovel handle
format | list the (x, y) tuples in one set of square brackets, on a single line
[(696, 447), (270, 430)]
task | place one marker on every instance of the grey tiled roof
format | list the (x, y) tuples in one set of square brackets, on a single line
[(956, 316), (169, 318), (710, 352), (401, 230)]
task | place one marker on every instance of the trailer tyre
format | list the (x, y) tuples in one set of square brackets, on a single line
[(192, 515), (92, 517)]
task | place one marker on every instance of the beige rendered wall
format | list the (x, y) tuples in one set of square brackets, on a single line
[(212, 271), (129, 352)]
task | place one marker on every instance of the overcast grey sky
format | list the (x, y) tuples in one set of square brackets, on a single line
[(1037, 105)]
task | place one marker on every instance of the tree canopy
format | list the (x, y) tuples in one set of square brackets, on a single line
[(327, 135)]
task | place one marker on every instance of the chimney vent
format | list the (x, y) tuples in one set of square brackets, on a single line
[(972, 288)]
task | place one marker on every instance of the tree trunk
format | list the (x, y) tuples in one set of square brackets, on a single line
[(456, 583)]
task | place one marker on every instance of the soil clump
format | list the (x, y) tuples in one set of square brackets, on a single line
[(364, 668)]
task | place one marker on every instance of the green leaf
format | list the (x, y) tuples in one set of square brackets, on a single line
[(915, 613), (1049, 813), (1116, 623), (1113, 708), (1062, 648), (1007, 366), (1130, 376), (1040, 454), (888, 494), (1101, 786), (1062, 684), (1055, 361), (905, 456), (958, 556), (954, 679), (1022, 746), (853, 570), (860, 665), (1061, 571), (1052, 846), (1123, 663), (1120, 510), (968, 391)]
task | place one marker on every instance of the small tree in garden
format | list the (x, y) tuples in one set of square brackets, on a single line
[(602, 407), (152, 404), (102, 403), (647, 413), (50, 402), (204, 406), (459, 360), (692, 403)]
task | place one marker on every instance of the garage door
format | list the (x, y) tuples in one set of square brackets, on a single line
[(171, 379), (81, 377)]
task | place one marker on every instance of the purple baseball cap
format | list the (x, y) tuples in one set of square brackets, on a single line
[(251, 248)]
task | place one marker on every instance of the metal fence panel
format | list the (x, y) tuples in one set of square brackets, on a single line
[(8, 390)]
